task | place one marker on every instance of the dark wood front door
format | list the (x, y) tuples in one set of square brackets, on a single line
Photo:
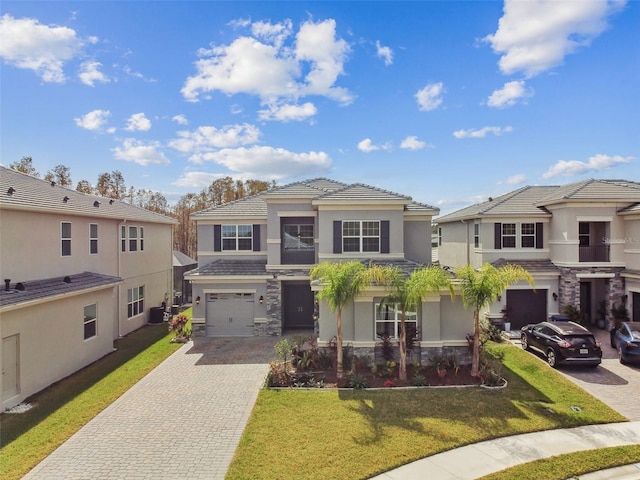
[(298, 306)]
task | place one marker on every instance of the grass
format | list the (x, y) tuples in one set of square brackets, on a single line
[(311, 434), (571, 465), (63, 408)]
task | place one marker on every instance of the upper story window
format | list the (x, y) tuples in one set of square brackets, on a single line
[(519, 235), (90, 321), (476, 235), (93, 238), (508, 235), (361, 236), (584, 235), (132, 237), (65, 237), (237, 237), (123, 238)]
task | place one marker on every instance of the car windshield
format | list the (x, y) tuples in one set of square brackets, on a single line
[(577, 340)]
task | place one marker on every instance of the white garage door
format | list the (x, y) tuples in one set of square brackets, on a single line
[(230, 314)]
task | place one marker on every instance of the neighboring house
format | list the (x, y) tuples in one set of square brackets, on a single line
[(182, 288), (581, 242), (255, 254), (78, 272)]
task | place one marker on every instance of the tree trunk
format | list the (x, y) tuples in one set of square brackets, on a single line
[(475, 363), (339, 372), (402, 370)]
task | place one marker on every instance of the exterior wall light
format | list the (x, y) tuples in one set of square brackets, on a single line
[(198, 300), (261, 300)]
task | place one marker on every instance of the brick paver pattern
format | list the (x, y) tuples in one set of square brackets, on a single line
[(182, 421)]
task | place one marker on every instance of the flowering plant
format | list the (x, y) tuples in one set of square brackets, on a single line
[(179, 325)]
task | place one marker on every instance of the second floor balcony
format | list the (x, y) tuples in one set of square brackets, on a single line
[(301, 256), (594, 253)]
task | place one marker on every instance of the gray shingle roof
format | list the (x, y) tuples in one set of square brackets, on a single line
[(520, 202), (230, 267), (598, 190), (23, 192), (532, 266), (49, 287), (182, 260)]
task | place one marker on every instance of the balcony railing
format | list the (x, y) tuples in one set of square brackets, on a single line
[(298, 257), (594, 253)]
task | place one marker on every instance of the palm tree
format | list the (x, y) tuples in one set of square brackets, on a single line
[(408, 293), (480, 288), (341, 283)]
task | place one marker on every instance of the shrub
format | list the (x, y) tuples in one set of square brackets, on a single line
[(358, 381), (418, 380), (386, 347)]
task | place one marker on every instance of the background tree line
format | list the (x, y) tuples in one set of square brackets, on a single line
[(112, 185)]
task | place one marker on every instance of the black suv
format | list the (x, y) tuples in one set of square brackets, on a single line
[(562, 343)]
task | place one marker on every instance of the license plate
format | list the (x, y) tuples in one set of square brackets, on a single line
[(584, 351)]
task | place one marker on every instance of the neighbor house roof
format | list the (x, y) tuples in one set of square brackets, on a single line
[(29, 291), (182, 260), (19, 191), (520, 202), (320, 191)]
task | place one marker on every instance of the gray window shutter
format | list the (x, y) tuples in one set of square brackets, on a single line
[(384, 236), (256, 238), (217, 238), (498, 235), (337, 236), (539, 236)]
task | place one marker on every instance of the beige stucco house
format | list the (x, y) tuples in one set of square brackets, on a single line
[(255, 254), (580, 241), (77, 272)]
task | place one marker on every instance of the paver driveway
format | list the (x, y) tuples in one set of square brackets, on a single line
[(182, 421)]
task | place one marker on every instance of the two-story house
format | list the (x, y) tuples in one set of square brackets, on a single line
[(579, 241), (255, 254), (78, 271)]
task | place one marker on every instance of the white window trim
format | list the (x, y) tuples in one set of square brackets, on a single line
[(136, 301), (93, 320), (396, 320), (236, 238), (361, 236), (91, 239), (68, 239)]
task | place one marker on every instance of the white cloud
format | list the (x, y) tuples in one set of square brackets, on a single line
[(535, 35), (497, 131), (509, 94), (44, 49), (197, 179), (270, 163), (138, 122), (133, 150), (285, 113), (430, 97), (180, 119), (94, 120), (514, 179), (367, 146), (574, 167), (412, 143), (90, 73), (385, 53), (206, 138), (271, 69)]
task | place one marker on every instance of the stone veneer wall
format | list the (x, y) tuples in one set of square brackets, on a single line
[(569, 288)]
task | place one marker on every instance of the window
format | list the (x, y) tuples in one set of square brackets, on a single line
[(135, 301), (476, 235), (123, 238), (141, 239), (528, 235), (298, 237), (388, 320), (133, 239), (508, 235), (237, 237), (90, 321), (65, 235), (361, 236), (583, 234), (439, 236), (93, 238)]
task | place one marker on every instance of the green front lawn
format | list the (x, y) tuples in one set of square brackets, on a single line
[(64, 407), (325, 434)]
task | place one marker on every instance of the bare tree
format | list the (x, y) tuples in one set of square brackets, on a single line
[(25, 165), (61, 175)]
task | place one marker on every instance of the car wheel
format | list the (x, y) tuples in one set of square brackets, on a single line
[(620, 356), (551, 358), (525, 342)]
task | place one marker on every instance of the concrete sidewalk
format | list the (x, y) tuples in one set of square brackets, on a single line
[(479, 459)]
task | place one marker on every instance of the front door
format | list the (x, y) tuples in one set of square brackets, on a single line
[(10, 378), (585, 300), (298, 306), (636, 307)]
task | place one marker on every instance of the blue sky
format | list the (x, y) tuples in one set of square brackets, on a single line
[(449, 102)]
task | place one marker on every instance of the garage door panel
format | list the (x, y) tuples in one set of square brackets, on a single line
[(230, 314), (525, 307)]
